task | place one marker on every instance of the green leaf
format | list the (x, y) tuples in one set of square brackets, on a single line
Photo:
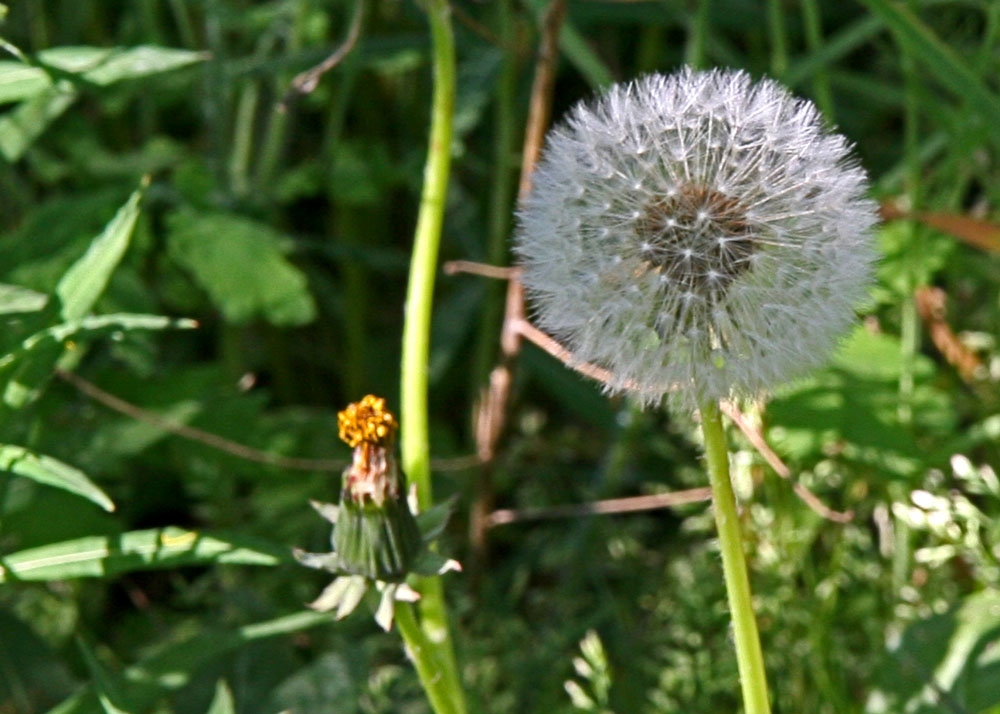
[(240, 265), (31, 363), (154, 549), (19, 81), (854, 404), (99, 66), (52, 472), (947, 662), (332, 677), (14, 299), (47, 88), (24, 123), (222, 702), (136, 62), (84, 282), (106, 691), (173, 667)]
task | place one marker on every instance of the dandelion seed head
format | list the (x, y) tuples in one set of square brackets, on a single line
[(724, 234)]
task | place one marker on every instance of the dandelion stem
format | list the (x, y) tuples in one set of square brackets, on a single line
[(423, 653), (445, 692), (749, 657)]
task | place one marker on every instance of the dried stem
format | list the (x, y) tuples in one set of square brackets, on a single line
[(756, 438), (491, 412), (931, 304), (240, 451), (453, 267), (631, 504), (306, 82), (233, 448)]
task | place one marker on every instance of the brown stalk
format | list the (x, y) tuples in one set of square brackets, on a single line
[(754, 435), (613, 505), (233, 448), (973, 231), (931, 303), (491, 411), (306, 82)]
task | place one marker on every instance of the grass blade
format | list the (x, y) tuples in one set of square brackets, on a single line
[(52, 472), (940, 60), (104, 556), (86, 279)]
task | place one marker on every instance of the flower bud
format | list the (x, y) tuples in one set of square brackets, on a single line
[(376, 534)]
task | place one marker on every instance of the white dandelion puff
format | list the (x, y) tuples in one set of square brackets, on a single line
[(698, 234)]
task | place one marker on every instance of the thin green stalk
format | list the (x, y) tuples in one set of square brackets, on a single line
[(753, 678), (275, 134), (423, 266), (814, 41), (697, 38), (909, 319), (423, 653), (501, 195), (779, 40), (185, 28), (414, 439), (239, 161)]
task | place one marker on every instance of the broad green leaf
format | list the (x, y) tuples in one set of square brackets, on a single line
[(940, 60), (240, 265), (136, 62), (222, 702), (947, 658), (84, 282), (332, 677), (172, 668), (52, 472), (158, 548), (106, 690), (29, 366), (24, 123), (14, 298), (854, 404), (20, 81), (47, 90), (100, 66)]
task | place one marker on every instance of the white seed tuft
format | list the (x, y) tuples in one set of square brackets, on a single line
[(724, 234)]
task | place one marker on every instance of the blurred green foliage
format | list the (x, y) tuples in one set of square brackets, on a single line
[(148, 178)]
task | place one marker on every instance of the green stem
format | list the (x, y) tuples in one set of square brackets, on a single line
[(414, 438), (423, 266), (697, 37), (909, 319), (777, 32), (749, 657), (814, 41), (422, 652)]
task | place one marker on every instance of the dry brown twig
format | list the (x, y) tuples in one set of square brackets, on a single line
[(754, 435), (631, 504), (233, 448), (306, 82), (491, 411), (931, 304)]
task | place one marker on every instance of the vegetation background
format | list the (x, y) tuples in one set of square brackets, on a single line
[(286, 235)]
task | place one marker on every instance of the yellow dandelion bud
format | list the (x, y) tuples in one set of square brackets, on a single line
[(367, 422)]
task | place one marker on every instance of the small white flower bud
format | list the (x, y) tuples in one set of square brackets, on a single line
[(727, 231)]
